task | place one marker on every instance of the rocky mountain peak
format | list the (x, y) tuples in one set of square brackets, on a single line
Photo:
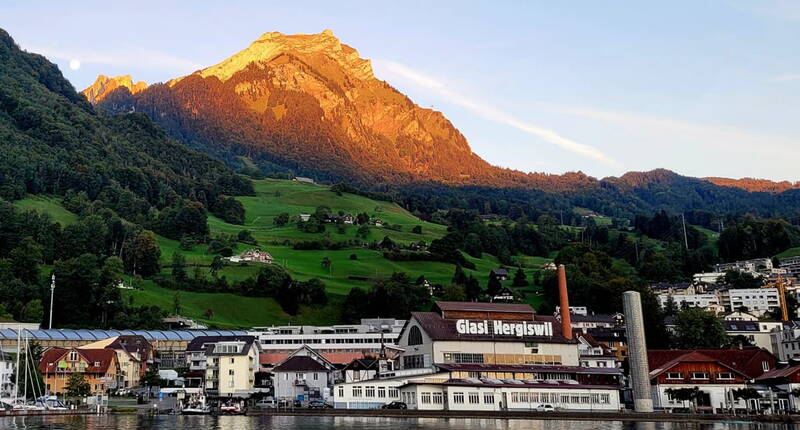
[(104, 85)]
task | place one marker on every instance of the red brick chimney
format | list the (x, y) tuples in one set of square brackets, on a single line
[(563, 302)]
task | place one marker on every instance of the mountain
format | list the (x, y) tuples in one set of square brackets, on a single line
[(310, 105), (755, 185), (104, 85), (54, 142)]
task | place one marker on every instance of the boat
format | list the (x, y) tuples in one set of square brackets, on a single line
[(196, 410), (230, 408)]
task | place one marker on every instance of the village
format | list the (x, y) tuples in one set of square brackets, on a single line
[(460, 356)]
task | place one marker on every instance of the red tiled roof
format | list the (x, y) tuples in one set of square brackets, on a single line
[(484, 307), (780, 373), (104, 357)]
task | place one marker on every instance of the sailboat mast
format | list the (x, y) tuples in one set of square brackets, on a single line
[(16, 369)]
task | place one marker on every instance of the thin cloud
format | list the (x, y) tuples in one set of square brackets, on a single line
[(486, 111), (728, 139), (134, 57), (786, 78)]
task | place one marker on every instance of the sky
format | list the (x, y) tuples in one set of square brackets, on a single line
[(706, 88)]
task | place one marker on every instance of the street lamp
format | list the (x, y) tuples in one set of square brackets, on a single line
[(52, 292)]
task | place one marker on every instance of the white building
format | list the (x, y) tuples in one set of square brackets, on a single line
[(786, 341), (692, 300), (502, 349), (223, 365), (754, 266), (791, 265), (366, 338), (707, 278), (305, 375), (757, 333), (6, 372), (758, 301)]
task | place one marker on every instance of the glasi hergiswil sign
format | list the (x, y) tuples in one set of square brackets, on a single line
[(505, 328)]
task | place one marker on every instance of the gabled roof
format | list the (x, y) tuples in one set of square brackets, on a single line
[(299, 363), (786, 372), (363, 364), (739, 360), (103, 357), (438, 328)]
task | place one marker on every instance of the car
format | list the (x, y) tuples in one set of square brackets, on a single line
[(266, 404), (395, 405), (545, 408), (319, 404)]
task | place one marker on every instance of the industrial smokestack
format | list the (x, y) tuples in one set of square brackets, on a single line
[(563, 302), (637, 352)]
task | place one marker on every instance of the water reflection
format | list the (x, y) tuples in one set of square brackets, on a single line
[(134, 422)]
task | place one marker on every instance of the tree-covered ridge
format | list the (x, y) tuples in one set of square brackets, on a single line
[(53, 142)]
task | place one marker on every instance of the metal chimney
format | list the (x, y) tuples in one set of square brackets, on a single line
[(637, 352), (563, 302)]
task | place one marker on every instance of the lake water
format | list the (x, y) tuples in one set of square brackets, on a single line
[(164, 422)]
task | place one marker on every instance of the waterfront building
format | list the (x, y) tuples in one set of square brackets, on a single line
[(134, 354), (782, 388), (7, 363), (223, 365), (756, 333), (462, 348), (338, 343), (786, 341), (715, 372), (99, 367), (305, 375)]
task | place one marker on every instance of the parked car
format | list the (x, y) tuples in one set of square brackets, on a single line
[(395, 405), (545, 408), (266, 404), (319, 404)]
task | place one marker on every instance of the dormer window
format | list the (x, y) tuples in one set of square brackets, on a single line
[(73, 356)]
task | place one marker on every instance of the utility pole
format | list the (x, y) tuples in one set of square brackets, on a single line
[(685, 239), (52, 292)]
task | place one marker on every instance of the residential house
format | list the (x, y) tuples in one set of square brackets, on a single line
[(504, 294), (252, 255), (592, 353), (304, 375), (715, 372), (595, 320), (782, 387), (305, 217), (361, 369), (500, 273), (231, 367), (756, 333), (615, 339), (134, 354), (99, 367), (197, 356), (303, 179)]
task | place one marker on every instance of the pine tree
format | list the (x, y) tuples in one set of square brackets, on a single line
[(519, 278), (494, 285), (459, 278)]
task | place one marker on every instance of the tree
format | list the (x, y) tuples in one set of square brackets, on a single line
[(77, 386), (696, 328), (176, 303), (454, 293), (179, 268), (245, 236), (33, 312), (494, 285), (142, 255), (685, 395), (216, 265), (326, 262), (353, 257), (363, 231), (150, 378), (472, 289), (281, 219), (459, 278), (417, 229), (739, 280), (519, 278)]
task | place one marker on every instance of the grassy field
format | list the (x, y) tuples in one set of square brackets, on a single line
[(277, 196), (50, 205), (791, 252)]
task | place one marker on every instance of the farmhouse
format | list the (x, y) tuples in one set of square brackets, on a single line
[(253, 255), (500, 273)]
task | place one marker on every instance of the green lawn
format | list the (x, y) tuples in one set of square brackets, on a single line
[(50, 205), (791, 252)]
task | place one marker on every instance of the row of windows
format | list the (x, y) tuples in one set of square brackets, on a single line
[(317, 341), (700, 375), (371, 392), (578, 398)]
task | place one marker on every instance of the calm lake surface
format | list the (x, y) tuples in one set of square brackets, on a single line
[(133, 422)]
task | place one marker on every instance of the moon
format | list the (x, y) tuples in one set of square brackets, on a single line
[(74, 64)]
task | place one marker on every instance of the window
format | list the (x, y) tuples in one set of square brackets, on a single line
[(699, 375), (341, 391), (414, 336), (765, 365), (73, 356), (534, 398), (458, 398), (369, 391), (316, 376), (425, 398), (574, 399), (605, 399), (394, 393), (533, 346), (674, 375), (413, 362), (463, 358), (230, 372), (356, 391), (725, 375), (523, 397), (474, 398), (382, 392), (233, 360), (564, 398), (438, 399), (488, 398)]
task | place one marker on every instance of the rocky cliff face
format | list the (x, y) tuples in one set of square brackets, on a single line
[(104, 85)]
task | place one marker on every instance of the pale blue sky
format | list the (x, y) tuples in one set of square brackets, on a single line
[(702, 88)]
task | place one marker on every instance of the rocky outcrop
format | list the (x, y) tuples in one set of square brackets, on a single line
[(104, 85)]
